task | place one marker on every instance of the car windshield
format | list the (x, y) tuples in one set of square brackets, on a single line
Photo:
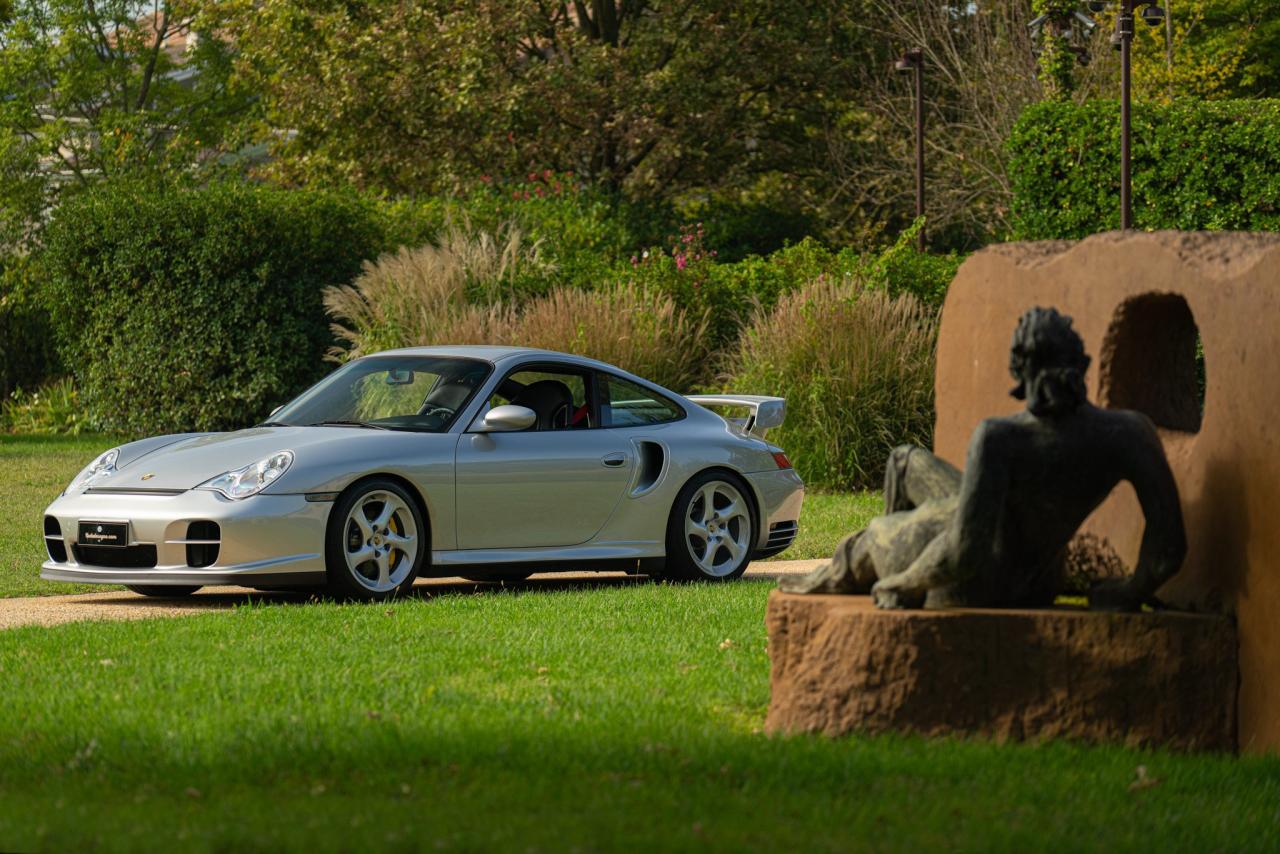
[(423, 393)]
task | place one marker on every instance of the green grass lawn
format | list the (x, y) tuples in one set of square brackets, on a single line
[(34, 469), (827, 518), (597, 717), (617, 715)]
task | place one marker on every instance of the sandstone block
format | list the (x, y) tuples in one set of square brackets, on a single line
[(839, 665)]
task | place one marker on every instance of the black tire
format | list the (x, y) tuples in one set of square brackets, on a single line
[(682, 562), (342, 581), (162, 591)]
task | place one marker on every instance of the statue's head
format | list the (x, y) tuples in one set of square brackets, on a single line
[(1048, 361)]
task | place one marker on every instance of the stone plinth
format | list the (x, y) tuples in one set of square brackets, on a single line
[(1138, 301), (839, 665)]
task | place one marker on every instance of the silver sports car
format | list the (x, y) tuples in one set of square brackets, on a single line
[(484, 462)]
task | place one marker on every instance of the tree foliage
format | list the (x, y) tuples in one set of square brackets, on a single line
[(650, 95), (96, 90)]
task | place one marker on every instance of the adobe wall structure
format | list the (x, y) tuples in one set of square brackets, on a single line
[(1138, 300)]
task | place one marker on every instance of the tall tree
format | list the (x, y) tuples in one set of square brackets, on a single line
[(649, 95), (94, 88)]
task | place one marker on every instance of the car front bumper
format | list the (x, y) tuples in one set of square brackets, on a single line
[(265, 540)]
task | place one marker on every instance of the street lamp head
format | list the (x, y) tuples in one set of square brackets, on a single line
[(1096, 6), (1153, 15), (910, 60)]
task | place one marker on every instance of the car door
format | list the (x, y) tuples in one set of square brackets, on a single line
[(555, 484)]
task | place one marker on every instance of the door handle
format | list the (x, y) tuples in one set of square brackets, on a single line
[(614, 461)]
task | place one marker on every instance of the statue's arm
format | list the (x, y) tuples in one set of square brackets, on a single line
[(974, 533), (1164, 538)]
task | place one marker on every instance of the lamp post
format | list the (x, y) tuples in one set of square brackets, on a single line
[(912, 62), (1123, 41)]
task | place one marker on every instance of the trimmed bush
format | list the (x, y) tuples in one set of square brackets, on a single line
[(1196, 165), (197, 309), (856, 368), (27, 354)]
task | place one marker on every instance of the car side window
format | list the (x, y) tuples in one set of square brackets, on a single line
[(558, 398), (625, 404)]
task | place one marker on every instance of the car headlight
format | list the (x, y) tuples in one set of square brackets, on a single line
[(251, 479), (95, 471)]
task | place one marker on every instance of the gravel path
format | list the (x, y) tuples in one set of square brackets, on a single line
[(123, 605)]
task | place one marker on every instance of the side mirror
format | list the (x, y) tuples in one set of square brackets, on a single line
[(506, 419)]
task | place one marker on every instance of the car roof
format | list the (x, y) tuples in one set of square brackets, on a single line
[(494, 354)]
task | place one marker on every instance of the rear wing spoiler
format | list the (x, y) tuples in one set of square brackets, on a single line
[(763, 413)]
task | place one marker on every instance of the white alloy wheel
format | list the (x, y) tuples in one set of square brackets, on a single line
[(380, 541), (717, 529)]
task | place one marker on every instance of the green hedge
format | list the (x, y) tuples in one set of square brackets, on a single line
[(197, 309), (1196, 165), (27, 354)]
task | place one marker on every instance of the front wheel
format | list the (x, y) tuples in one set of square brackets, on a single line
[(376, 541), (711, 531), (162, 591)]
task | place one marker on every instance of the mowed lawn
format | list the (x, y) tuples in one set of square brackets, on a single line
[(35, 469), (599, 717)]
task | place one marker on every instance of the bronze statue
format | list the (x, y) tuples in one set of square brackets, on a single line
[(996, 534)]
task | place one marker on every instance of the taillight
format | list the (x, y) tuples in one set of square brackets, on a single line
[(781, 459)]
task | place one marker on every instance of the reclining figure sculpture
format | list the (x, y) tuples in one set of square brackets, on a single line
[(996, 535)]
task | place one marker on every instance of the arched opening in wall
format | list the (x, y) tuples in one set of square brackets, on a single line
[(1152, 361)]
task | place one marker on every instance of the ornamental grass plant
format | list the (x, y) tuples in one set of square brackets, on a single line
[(424, 295), (637, 329), (856, 367), (460, 292)]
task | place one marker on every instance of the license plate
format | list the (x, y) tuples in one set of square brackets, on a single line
[(113, 534)]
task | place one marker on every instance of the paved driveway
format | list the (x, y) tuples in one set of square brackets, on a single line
[(123, 605)]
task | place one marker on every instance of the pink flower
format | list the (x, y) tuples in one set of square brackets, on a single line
[(634, 261), (681, 263)]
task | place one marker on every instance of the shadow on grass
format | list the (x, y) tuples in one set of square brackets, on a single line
[(222, 598)]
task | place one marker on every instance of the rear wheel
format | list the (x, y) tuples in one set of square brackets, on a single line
[(162, 591), (711, 531), (376, 541)]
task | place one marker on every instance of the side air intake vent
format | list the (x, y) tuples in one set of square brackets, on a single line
[(653, 460), (204, 539), (781, 536), (53, 540)]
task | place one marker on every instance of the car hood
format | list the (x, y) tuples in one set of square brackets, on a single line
[(188, 461)]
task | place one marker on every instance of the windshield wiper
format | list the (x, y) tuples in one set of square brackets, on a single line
[(273, 424), (338, 423)]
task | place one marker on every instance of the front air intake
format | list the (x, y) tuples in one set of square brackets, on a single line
[(204, 539), (53, 542)]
